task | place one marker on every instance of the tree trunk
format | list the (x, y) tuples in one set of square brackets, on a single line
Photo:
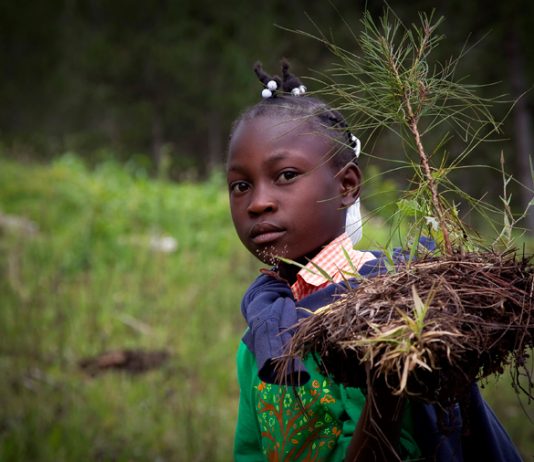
[(215, 149), (522, 119), (157, 141)]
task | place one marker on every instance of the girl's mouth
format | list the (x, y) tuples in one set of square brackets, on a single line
[(267, 238), (265, 233)]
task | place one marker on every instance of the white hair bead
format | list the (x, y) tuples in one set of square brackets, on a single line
[(266, 93), (357, 148), (357, 145), (298, 91), (272, 85)]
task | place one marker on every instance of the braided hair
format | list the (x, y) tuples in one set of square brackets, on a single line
[(290, 103)]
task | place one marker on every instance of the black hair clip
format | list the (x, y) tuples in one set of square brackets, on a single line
[(290, 82), (271, 83)]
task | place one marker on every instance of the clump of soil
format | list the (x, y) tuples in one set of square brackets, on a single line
[(429, 329), (132, 361)]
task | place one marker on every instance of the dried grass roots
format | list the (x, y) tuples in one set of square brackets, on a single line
[(429, 329)]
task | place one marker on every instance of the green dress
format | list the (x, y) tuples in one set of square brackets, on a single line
[(314, 422)]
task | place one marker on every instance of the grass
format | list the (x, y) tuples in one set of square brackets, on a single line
[(87, 281)]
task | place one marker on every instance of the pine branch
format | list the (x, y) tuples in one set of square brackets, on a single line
[(412, 118)]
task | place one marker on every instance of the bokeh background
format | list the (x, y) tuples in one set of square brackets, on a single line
[(120, 274)]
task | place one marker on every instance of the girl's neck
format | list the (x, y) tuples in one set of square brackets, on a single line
[(289, 271)]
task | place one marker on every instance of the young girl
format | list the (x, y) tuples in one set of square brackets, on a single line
[(294, 184)]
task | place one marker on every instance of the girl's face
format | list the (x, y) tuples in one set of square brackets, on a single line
[(285, 197)]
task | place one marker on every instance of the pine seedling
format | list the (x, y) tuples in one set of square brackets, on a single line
[(394, 84)]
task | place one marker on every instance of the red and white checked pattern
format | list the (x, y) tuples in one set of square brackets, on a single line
[(334, 262)]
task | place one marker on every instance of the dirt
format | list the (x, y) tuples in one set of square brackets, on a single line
[(131, 361)]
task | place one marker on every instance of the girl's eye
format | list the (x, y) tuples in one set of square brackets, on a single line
[(287, 176), (239, 187)]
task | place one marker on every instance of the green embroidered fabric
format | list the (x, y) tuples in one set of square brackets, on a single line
[(314, 422)]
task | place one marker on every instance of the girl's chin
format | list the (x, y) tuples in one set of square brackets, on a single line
[(267, 258), (271, 254)]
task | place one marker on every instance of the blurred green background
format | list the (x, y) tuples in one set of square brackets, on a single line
[(114, 226)]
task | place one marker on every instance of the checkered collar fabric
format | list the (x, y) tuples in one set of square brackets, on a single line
[(337, 260)]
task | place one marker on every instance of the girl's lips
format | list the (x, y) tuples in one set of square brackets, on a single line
[(266, 238), (264, 233)]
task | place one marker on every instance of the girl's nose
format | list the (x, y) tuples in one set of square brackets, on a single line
[(262, 202)]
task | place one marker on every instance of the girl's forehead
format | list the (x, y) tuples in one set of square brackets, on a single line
[(264, 134), (275, 127)]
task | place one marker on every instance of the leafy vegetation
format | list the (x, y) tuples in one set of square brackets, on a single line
[(88, 281)]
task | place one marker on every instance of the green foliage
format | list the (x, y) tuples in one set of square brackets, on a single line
[(90, 280)]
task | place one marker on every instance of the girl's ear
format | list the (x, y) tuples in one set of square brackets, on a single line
[(350, 178)]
